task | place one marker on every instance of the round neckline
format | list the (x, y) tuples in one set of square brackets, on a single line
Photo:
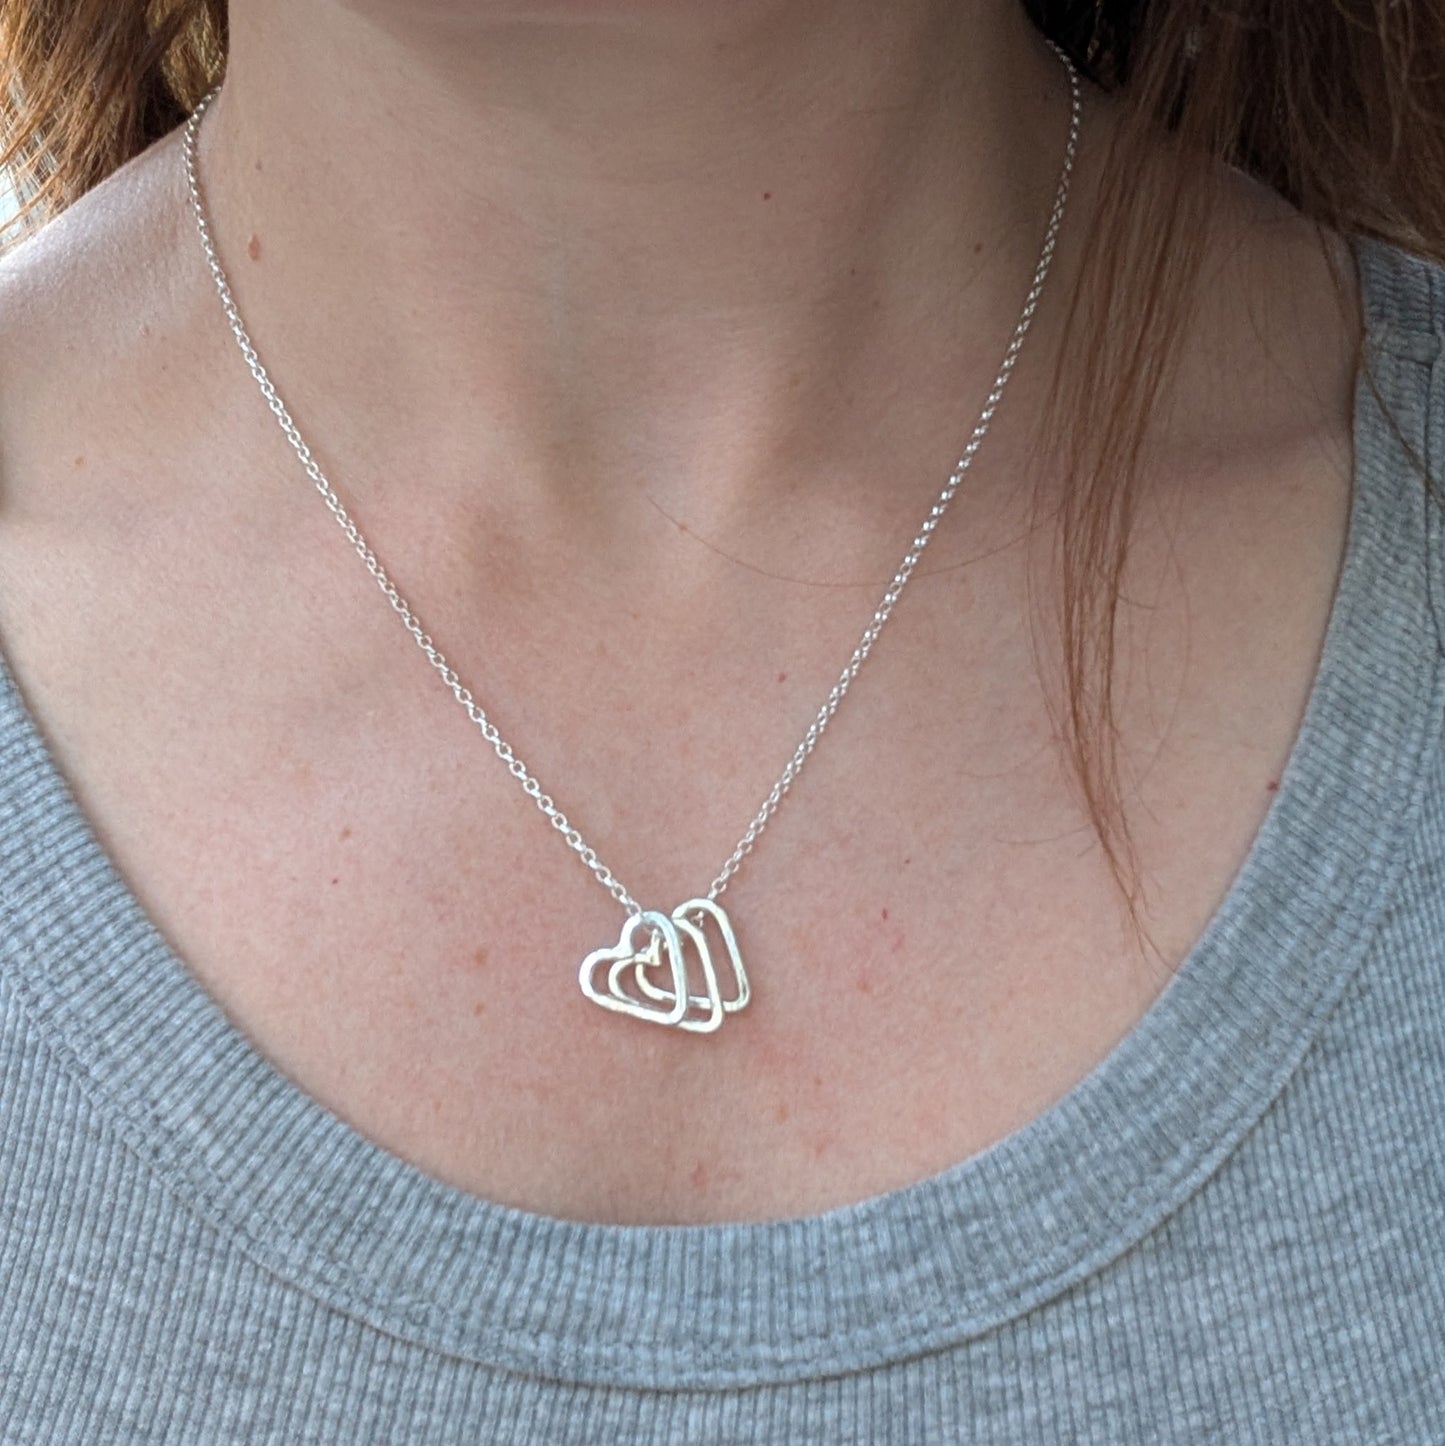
[(921, 1268)]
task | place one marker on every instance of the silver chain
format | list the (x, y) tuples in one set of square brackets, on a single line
[(515, 766)]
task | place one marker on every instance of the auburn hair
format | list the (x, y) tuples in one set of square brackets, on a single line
[(1337, 105)]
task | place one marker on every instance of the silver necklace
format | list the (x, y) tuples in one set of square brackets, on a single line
[(683, 968)]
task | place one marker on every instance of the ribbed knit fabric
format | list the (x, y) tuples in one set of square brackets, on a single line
[(1232, 1230)]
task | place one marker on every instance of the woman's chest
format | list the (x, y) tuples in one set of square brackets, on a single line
[(934, 943), (934, 940)]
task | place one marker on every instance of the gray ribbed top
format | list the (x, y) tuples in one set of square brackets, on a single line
[(1231, 1230)]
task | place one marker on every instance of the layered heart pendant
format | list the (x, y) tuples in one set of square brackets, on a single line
[(665, 968)]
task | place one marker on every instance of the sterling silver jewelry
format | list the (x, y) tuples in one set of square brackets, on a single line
[(682, 968)]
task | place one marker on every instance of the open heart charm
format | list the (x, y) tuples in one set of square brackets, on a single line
[(664, 968)]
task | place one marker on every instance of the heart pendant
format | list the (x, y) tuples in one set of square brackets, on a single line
[(664, 969)]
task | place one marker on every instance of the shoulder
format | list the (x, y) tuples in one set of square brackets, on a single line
[(93, 311), (112, 242), (100, 383)]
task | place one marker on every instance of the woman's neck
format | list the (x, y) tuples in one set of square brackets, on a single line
[(694, 245)]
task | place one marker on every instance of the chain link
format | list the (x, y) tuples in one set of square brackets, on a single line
[(515, 766)]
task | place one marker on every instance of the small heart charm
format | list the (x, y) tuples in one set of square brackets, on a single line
[(708, 914), (672, 977), (663, 947)]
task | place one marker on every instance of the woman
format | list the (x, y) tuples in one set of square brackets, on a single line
[(1073, 1069)]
